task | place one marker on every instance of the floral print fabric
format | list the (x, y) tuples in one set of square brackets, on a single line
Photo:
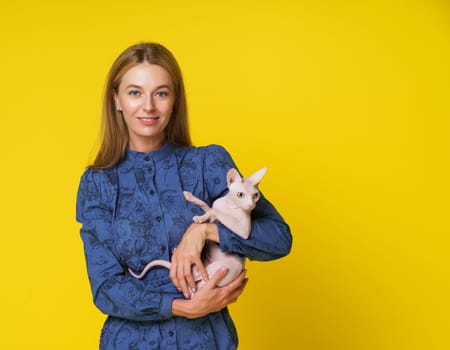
[(135, 212)]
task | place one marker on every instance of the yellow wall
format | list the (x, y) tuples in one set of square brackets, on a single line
[(346, 102)]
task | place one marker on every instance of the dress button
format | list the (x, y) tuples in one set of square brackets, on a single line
[(171, 333), (152, 192), (147, 158), (158, 218), (163, 248)]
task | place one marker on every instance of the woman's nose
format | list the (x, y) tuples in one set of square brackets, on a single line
[(149, 104)]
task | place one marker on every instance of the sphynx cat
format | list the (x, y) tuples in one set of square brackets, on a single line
[(232, 210)]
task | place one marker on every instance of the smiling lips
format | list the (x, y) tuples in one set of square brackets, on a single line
[(148, 120)]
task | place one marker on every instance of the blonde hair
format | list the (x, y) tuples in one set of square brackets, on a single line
[(114, 139)]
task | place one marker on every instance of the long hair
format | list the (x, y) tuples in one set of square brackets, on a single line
[(115, 136)]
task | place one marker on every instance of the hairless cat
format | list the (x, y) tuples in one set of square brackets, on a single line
[(232, 210)]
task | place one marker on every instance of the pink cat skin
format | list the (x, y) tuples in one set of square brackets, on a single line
[(232, 210)]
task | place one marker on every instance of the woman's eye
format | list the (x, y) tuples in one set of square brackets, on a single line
[(161, 94), (134, 93)]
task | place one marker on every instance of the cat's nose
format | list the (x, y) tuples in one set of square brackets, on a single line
[(251, 206)]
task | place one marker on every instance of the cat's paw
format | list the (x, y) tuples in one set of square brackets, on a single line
[(188, 195), (198, 219)]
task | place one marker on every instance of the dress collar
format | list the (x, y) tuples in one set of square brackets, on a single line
[(142, 158)]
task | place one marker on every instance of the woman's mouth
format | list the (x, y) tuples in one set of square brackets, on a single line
[(148, 120)]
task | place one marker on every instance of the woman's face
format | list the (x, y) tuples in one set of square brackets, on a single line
[(145, 97)]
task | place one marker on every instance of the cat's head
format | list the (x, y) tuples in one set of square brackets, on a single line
[(244, 191)]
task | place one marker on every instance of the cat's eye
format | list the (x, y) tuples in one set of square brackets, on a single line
[(240, 195), (256, 195)]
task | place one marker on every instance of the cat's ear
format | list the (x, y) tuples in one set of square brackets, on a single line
[(233, 176), (255, 178)]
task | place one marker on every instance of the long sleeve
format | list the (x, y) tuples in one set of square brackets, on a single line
[(270, 236), (114, 291)]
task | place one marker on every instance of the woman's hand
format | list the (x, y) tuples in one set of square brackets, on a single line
[(188, 253), (211, 298)]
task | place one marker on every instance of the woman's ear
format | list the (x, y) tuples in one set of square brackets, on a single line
[(117, 102)]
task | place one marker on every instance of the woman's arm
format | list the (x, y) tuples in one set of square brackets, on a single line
[(270, 236), (188, 253), (114, 291), (210, 298)]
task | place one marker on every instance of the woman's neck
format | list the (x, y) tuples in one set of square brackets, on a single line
[(146, 145)]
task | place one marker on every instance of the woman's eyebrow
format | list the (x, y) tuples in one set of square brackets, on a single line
[(163, 86), (134, 86), (140, 87)]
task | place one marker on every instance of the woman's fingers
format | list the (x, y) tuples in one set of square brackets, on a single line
[(187, 255), (238, 291), (235, 288), (188, 278), (238, 280), (229, 293), (202, 269), (181, 274), (177, 274), (211, 298)]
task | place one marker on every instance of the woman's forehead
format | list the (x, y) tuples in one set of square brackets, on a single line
[(146, 75)]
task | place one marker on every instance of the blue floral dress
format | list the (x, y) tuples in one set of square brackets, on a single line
[(135, 212)]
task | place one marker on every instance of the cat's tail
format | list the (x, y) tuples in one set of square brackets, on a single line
[(191, 198), (147, 267)]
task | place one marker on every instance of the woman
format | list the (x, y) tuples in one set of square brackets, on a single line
[(132, 211)]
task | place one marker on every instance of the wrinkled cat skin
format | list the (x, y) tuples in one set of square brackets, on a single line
[(232, 210)]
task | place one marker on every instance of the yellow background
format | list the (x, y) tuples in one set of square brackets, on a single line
[(346, 102)]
